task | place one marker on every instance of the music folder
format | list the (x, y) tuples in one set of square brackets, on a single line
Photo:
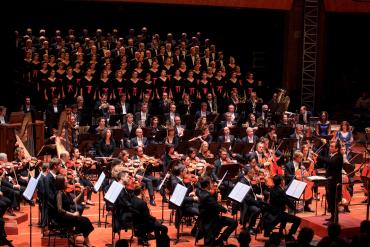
[(30, 190), (113, 192), (296, 189), (178, 195), (99, 182), (239, 192)]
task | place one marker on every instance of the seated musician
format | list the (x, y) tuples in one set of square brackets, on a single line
[(203, 111), (250, 208), (292, 169), (129, 128), (9, 190), (258, 153), (122, 206), (206, 135), (101, 126), (298, 134), (143, 221), (171, 137), (278, 202), (170, 117), (139, 140), (106, 146), (153, 129), (285, 122), (204, 152), (265, 117), (234, 114), (201, 122), (252, 122), (226, 137), (149, 180), (24, 166), (84, 163), (251, 137), (226, 185), (228, 122), (101, 106), (64, 214), (179, 128), (211, 223)]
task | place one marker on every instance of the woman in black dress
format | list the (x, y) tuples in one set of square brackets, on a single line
[(69, 87), (106, 145), (119, 86), (134, 87), (64, 214), (177, 86), (191, 86)]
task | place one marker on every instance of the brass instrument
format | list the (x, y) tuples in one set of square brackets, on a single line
[(283, 100)]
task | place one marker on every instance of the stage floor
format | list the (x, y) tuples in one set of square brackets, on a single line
[(102, 235)]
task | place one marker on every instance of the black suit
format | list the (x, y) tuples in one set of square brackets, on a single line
[(119, 107), (138, 118), (250, 206), (198, 114), (222, 139), (289, 172), (279, 200), (224, 124), (304, 119), (134, 143), (246, 140), (126, 131), (334, 166), (211, 222)]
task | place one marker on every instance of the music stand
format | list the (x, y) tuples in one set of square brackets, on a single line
[(261, 131), (316, 180), (284, 132), (242, 148), (188, 120), (160, 136), (288, 144), (211, 118), (28, 195), (156, 150), (177, 199), (97, 188), (238, 132), (295, 190), (47, 150), (114, 119), (232, 170)]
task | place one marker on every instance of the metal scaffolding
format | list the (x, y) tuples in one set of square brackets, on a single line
[(309, 58)]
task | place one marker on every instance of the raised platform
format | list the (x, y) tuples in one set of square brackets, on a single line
[(349, 223), (11, 222)]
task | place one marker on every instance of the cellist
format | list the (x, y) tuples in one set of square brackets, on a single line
[(296, 169)]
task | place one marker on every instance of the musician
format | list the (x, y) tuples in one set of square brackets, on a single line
[(226, 185), (345, 135), (189, 206), (204, 152), (171, 137), (228, 122), (252, 104), (284, 122), (252, 122), (129, 128), (106, 145), (179, 129), (170, 116), (28, 107), (149, 180), (250, 208), (304, 116), (323, 127), (101, 126), (334, 166), (139, 140), (226, 137), (123, 107), (265, 117), (206, 135), (185, 104), (3, 117), (203, 111), (211, 103), (210, 220), (8, 188), (164, 103), (101, 106), (24, 166), (64, 215), (144, 222), (201, 122), (143, 117), (258, 153), (53, 111), (4, 205), (251, 137), (234, 115), (298, 134), (278, 201)]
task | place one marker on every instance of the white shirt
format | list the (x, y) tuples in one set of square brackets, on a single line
[(228, 124), (203, 113), (172, 117), (55, 109), (227, 138), (210, 105), (2, 120), (250, 139), (143, 116), (296, 165), (139, 141), (129, 127), (123, 108)]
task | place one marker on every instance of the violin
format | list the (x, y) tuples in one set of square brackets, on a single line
[(71, 188), (190, 178)]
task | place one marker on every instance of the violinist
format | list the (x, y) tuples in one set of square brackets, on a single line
[(190, 203), (74, 190), (170, 156), (259, 154), (226, 185), (210, 217), (149, 180), (298, 134), (334, 166), (250, 208), (204, 152), (82, 179), (278, 201), (23, 167), (9, 190), (64, 214)]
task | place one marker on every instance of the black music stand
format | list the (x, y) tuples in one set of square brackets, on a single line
[(284, 132), (211, 118), (183, 147), (288, 144), (261, 131), (28, 195), (242, 148), (160, 136), (189, 134), (238, 132), (188, 120), (115, 119), (49, 149), (232, 170), (156, 150), (177, 199)]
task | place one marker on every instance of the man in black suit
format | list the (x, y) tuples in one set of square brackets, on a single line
[(278, 202), (139, 140), (203, 111), (231, 110), (122, 106), (334, 165), (27, 107), (129, 128), (143, 117), (228, 122), (226, 185), (161, 57), (210, 217), (190, 59), (4, 205), (226, 137), (251, 137), (170, 116), (148, 60), (144, 222), (53, 111), (298, 134), (304, 116), (250, 207), (177, 58)]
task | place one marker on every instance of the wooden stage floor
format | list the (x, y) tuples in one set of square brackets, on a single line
[(102, 236)]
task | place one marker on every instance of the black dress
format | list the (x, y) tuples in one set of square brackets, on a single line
[(82, 224)]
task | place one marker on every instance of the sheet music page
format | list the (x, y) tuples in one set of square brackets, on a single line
[(99, 182), (178, 195), (296, 189), (239, 191), (113, 192), (316, 178), (31, 186)]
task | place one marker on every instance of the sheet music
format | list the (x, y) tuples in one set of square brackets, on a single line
[(178, 195), (316, 178), (113, 192), (296, 189), (99, 182), (222, 179), (239, 191), (30, 190)]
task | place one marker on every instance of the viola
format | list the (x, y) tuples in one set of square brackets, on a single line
[(71, 188), (190, 178)]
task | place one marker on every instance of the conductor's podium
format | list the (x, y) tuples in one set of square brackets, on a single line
[(12, 222)]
